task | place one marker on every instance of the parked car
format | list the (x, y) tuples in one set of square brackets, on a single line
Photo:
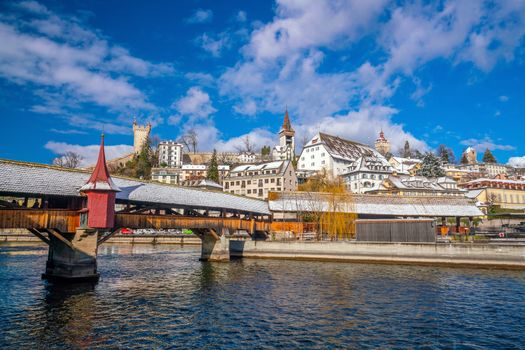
[(126, 231)]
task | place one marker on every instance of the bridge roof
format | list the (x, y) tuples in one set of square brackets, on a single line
[(39, 179)]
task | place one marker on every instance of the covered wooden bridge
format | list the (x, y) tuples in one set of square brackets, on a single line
[(74, 211)]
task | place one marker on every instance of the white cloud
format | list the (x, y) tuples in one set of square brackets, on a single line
[(89, 153), (485, 143), (503, 98), (364, 126), (247, 107), (518, 162), (303, 25), (201, 16), (196, 104), (174, 119), (258, 137), (213, 45), (241, 16), (60, 55), (203, 79)]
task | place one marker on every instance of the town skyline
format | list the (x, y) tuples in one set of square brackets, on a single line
[(72, 72)]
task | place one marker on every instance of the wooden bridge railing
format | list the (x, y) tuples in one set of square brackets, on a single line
[(190, 222), (64, 220), (69, 220)]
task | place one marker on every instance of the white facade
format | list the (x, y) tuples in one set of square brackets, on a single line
[(184, 173), (403, 165), (333, 154), (367, 174), (247, 158), (258, 180), (170, 153)]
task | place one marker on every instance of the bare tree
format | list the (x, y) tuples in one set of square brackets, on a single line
[(68, 160), (190, 140), (246, 145)]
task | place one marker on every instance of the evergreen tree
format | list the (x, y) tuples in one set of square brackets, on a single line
[(144, 162), (464, 159), (407, 153), (213, 168), (431, 166), (418, 155), (488, 157), (446, 154)]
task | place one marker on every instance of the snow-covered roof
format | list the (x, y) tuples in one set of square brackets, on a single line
[(39, 179), (430, 206), (261, 166), (370, 164), (514, 182), (341, 148)]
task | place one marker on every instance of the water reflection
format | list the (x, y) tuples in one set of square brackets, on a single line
[(163, 297)]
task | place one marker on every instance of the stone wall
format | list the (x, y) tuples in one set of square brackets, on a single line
[(466, 254)]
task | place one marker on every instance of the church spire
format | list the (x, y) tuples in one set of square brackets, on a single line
[(100, 178), (287, 125)]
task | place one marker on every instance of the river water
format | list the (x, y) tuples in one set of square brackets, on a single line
[(162, 297)]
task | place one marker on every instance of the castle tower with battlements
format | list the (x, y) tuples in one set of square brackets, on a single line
[(140, 135), (382, 145)]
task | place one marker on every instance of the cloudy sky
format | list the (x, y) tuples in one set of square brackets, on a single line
[(449, 72)]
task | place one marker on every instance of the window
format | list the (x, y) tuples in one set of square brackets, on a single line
[(313, 164), (249, 191), (313, 156), (265, 181), (322, 162), (322, 154), (272, 180)]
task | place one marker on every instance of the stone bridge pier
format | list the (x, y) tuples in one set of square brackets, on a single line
[(72, 257), (215, 246)]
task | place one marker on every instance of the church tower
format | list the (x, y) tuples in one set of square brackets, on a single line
[(287, 137), (140, 135), (382, 145)]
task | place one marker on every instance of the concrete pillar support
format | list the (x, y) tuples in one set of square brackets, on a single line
[(72, 257), (215, 247)]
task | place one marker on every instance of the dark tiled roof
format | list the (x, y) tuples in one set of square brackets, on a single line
[(346, 149)]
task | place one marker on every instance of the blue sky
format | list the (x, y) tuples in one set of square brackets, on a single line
[(447, 72)]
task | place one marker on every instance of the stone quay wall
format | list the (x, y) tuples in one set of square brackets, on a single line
[(511, 256)]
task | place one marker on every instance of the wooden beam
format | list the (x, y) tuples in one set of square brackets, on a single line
[(40, 235), (108, 236), (59, 236)]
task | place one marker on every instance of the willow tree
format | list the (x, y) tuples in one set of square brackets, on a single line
[(330, 205)]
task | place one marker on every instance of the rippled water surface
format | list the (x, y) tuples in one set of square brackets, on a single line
[(162, 297)]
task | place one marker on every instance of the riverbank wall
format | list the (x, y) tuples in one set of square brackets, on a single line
[(508, 256)]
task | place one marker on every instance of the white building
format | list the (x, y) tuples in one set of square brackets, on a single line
[(247, 158), (257, 180), (366, 174), (404, 165), (333, 154), (170, 154), (178, 176), (286, 148)]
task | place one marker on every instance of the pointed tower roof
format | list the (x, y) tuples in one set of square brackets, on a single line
[(100, 179), (287, 126)]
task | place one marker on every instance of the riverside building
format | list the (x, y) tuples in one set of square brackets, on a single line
[(170, 153), (257, 180), (333, 154)]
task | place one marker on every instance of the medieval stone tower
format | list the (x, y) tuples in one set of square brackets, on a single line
[(140, 135), (382, 145), (472, 156)]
